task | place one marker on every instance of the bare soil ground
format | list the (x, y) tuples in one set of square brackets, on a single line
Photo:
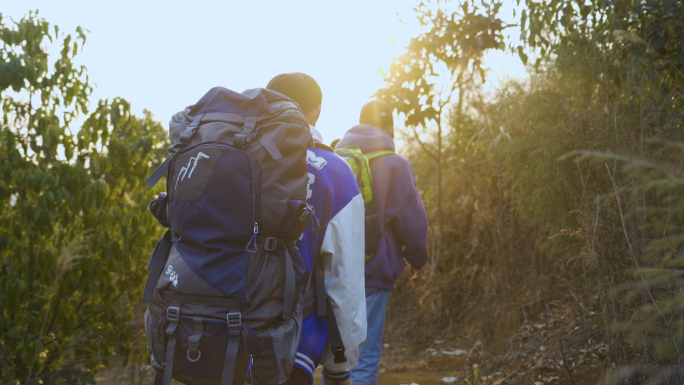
[(548, 351)]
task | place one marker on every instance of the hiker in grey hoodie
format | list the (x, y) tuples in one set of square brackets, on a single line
[(403, 224)]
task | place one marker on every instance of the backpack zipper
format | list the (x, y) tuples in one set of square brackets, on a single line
[(256, 207)]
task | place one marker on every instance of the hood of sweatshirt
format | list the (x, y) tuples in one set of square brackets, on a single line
[(367, 138)]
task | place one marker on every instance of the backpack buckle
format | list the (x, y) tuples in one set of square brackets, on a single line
[(241, 141), (270, 243), (338, 352), (186, 135), (191, 129), (193, 348), (173, 313), (234, 320)]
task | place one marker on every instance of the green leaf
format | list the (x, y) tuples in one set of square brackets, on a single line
[(522, 55)]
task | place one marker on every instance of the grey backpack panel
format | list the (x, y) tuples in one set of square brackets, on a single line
[(273, 345), (279, 143)]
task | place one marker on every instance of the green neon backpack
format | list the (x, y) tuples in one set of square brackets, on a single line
[(360, 164)]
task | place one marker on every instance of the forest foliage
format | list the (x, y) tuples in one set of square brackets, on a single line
[(72, 235), (564, 190)]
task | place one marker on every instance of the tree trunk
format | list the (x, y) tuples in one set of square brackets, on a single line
[(440, 214)]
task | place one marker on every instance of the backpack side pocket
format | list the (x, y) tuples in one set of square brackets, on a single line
[(278, 348)]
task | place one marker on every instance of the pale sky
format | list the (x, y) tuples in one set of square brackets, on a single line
[(164, 55)]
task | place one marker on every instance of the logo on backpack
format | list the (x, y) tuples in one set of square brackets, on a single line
[(192, 161), (173, 276)]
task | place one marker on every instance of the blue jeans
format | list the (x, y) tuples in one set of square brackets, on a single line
[(366, 372)]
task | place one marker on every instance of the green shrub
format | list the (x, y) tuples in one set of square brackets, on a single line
[(73, 232)]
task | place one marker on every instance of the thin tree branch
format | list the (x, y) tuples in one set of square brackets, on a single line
[(565, 363), (423, 145)]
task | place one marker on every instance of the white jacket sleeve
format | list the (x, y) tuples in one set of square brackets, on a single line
[(343, 252)]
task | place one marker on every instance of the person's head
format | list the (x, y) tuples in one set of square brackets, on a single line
[(379, 114), (301, 88)]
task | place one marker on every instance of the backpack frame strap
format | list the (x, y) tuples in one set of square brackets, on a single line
[(159, 378), (319, 279), (309, 297), (289, 285), (159, 257), (270, 146), (173, 315), (324, 308), (234, 321), (160, 171), (334, 337)]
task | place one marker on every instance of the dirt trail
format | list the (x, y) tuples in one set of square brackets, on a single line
[(447, 365), (550, 350)]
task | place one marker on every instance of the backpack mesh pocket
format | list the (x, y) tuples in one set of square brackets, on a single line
[(278, 348)]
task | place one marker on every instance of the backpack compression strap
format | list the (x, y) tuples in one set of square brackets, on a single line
[(173, 315), (234, 320)]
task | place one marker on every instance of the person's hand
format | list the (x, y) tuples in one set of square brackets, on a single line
[(328, 381), (416, 273)]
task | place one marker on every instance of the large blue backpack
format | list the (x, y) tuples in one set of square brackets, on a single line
[(225, 284)]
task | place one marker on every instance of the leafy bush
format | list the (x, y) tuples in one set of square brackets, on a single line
[(565, 188), (73, 240)]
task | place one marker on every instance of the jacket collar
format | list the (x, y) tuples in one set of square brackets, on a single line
[(317, 137)]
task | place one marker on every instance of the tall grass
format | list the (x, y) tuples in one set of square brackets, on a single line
[(564, 190)]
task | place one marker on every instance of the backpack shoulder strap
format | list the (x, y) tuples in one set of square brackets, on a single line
[(159, 256), (377, 154), (324, 308)]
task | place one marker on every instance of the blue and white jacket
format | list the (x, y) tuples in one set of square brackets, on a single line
[(338, 206)]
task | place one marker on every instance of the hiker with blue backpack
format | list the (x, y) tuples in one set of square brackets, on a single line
[(396, 223), (333, 251), (227, 284)]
